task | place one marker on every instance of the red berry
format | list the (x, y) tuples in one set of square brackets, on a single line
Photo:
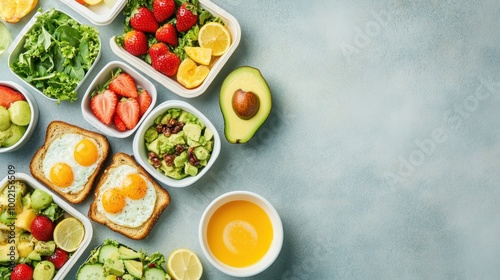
[(103, 105), (158, 49), (144, 100), (163, 9), (42, 228), (123, 84), (120, 125), (142, 19), (135, 42), (166, 64), (128, 111), (186, 17), (9, 95), (167, 34), (58, 258), (22, 271)]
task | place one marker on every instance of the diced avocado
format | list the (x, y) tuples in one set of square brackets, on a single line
[(7, 217), (127, 253), (192, 143), (158, 119), (108, 251), (209, 145), (40, 199), (114, 267), (151, 134), (209, 134), (154, 146), (176, 139), (176, 174), (190, 170), (17, 133), (201, 153), (34, 256), (192, 131), (202, 140), (134, 268), (90, 271), (44, 270), (165, 147), (45, 248), (27, 201), (187, 117), (180, 159), (165, 168), (165, 118), (204, 162), (25, 248), (155, 273)]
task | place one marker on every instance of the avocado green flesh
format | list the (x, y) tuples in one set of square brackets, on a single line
[(246, 78)]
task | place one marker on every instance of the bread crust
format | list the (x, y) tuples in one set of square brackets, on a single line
[(54, 130), (162, 201)]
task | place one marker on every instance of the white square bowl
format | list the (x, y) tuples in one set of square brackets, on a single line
[(68, 209), (17, 47), (100, 14), (171, 83), (141, 154), (102, 77)]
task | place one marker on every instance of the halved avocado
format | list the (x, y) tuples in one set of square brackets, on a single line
[(245, 101)]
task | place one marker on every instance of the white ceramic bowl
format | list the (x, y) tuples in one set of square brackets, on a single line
[(34, 116), (18, 45), (141, 154), (100, 14), (276, 243), (170, 83), (34, 184), (101, 78)]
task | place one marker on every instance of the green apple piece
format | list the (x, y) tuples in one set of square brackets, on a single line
[(20, 112), (4, 118)]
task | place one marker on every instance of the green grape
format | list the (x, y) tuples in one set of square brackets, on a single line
[(4, 119), (20, 112)]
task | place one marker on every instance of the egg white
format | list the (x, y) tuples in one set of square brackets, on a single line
[(61, 150), (135, 212)]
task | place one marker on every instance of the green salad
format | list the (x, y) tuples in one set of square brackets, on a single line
[(57, 53)]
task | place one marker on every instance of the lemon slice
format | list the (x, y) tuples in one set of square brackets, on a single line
[(184, 264), (215, 36), (92, 2), (199, 55), (191, 75), (13, 11), (68, 234)]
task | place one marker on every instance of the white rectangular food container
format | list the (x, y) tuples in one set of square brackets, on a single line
[(170, 83), (34, 184), (101, 14), (18, 45)]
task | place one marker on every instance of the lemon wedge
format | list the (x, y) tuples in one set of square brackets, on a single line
[(191, 75), (215, 36), (12, 11), (184, 264), (68, 234), (199, 55)]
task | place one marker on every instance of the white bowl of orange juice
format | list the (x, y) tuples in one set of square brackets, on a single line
[(241, 233)]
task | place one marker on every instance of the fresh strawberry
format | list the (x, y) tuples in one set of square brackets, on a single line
[(58, 258), (145, 100), (163, 9), (123, 84), (158, 49), (166, 64), (135, 42), (128, 111), (103, 105), (167, 34), (42, 228), (120, 125), (22, 271), (186, 17), (9, 95), (142, 19)]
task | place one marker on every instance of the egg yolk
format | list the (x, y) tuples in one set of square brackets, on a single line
[(61, 175), (113, 200), (86, 152), (134, 186)]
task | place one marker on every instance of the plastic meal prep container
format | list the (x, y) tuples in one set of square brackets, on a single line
[(33, 184), (17, 47), (100, 14), (171, 83)]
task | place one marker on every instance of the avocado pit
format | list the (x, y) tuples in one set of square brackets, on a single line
[(245, 104)]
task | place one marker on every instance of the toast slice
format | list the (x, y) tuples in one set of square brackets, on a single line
[(55, 131), (162, 199)]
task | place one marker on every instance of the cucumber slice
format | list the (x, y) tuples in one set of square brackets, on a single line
[(155, 274), (90, 272), (108, 252)]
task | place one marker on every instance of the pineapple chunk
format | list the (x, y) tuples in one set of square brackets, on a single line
[(24, 219), (25, 248)]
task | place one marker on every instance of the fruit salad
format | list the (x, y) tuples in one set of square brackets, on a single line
[(15, 116), (120, 102), (113, 260), (34, 242), (178, 38)]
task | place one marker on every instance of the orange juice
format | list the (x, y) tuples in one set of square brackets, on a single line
[(239, 233)]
